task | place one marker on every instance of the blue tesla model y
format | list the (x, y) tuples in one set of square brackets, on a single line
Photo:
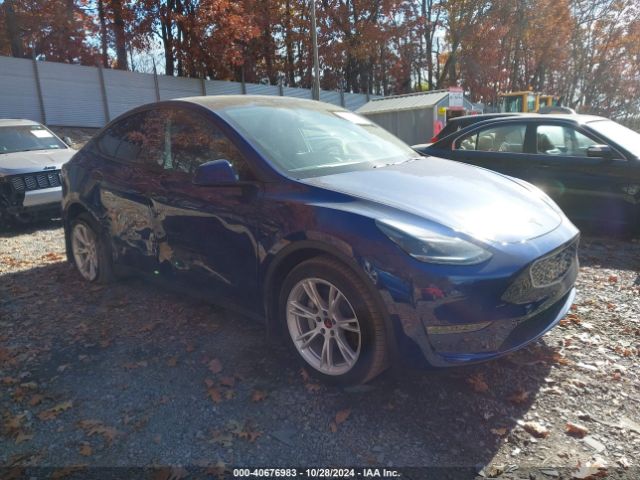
[(326, 227)]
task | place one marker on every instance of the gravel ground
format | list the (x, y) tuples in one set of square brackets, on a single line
[(132, 374)]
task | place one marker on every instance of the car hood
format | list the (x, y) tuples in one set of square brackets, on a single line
[(34, 161), (472, 200)]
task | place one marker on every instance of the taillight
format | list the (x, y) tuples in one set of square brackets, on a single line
[(434, 139)]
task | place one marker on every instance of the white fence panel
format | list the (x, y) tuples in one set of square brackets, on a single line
[(220, 87), (18, 90), (71, 95), (175, 87), (126, 90), (297, 92), (258, 89), (330, 97)]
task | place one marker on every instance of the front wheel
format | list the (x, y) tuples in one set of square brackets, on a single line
[(91, 255), (332, 322)]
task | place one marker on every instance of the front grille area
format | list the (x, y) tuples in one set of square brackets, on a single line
[(545, 277), (36, 181), (551, 269)]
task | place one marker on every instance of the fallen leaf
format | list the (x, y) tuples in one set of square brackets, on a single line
[(147, 327), (589, 472), (172, 362), (170, 473), (501, 432), (54, 411), (36, 399), (342, 416), (333, 427), (96, 427), (215, 366), (214, 394), (576, 430), (478, 383), (519, 397), (228, 381), (613, 279), (312, 387), (305, 375), (86, 450), (23, 437), (536, 429), (258, 395), (250, 436)]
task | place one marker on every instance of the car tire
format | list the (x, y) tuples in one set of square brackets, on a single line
[(88, 245), (345, 341)]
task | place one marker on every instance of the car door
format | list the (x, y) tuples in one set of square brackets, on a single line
[(121, 175), (206, 234), (497, 146), (589, 189)]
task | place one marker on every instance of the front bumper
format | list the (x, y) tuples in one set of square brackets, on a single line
[(448, 318), (30, 192)]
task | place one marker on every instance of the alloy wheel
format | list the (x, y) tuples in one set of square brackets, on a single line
[(323, 326), (85, 251)]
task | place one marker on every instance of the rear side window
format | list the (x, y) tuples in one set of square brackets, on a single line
[(137, 138), (561, 140), (192, 140), (505, 138)]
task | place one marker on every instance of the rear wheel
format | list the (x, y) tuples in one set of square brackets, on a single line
[(332, 322), (91, 254)]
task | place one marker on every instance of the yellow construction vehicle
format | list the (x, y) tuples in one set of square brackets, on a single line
[(526, 101)]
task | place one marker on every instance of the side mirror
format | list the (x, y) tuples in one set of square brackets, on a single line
[(215, 172), (67, 140), (600, 151)]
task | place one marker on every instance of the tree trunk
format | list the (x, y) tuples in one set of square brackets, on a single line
[(289, 59), (13, 29), (103, 34), (118, 30)]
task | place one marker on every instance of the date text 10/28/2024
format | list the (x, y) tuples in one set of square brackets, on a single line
[(315, 473)]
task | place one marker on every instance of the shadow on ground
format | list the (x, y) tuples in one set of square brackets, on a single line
[(132, 374), (8, 230)]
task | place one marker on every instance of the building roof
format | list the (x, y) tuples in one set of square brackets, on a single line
[(411, 101), (16, 122)]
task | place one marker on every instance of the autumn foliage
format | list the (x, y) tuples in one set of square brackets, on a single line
[(586, 51)]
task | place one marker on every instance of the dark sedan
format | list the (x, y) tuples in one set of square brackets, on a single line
[(589, 165), (325, 226)]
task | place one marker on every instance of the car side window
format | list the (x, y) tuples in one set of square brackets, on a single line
[(135, 139), (562, 140), (191, 140), (504, 138)]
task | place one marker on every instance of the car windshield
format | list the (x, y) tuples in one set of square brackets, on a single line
[(310, 142), (623, 136), (24, 138)]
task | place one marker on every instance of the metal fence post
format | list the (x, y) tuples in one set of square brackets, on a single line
[(203, 87), (36, 74), (243, 86), (342, 104), (103, 89), (155, 81)]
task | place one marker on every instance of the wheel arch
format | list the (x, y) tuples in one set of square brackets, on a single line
[(291, 256)]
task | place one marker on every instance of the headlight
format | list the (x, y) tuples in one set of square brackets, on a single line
[(432, 247)]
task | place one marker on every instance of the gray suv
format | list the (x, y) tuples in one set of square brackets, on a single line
[(30, 160)]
